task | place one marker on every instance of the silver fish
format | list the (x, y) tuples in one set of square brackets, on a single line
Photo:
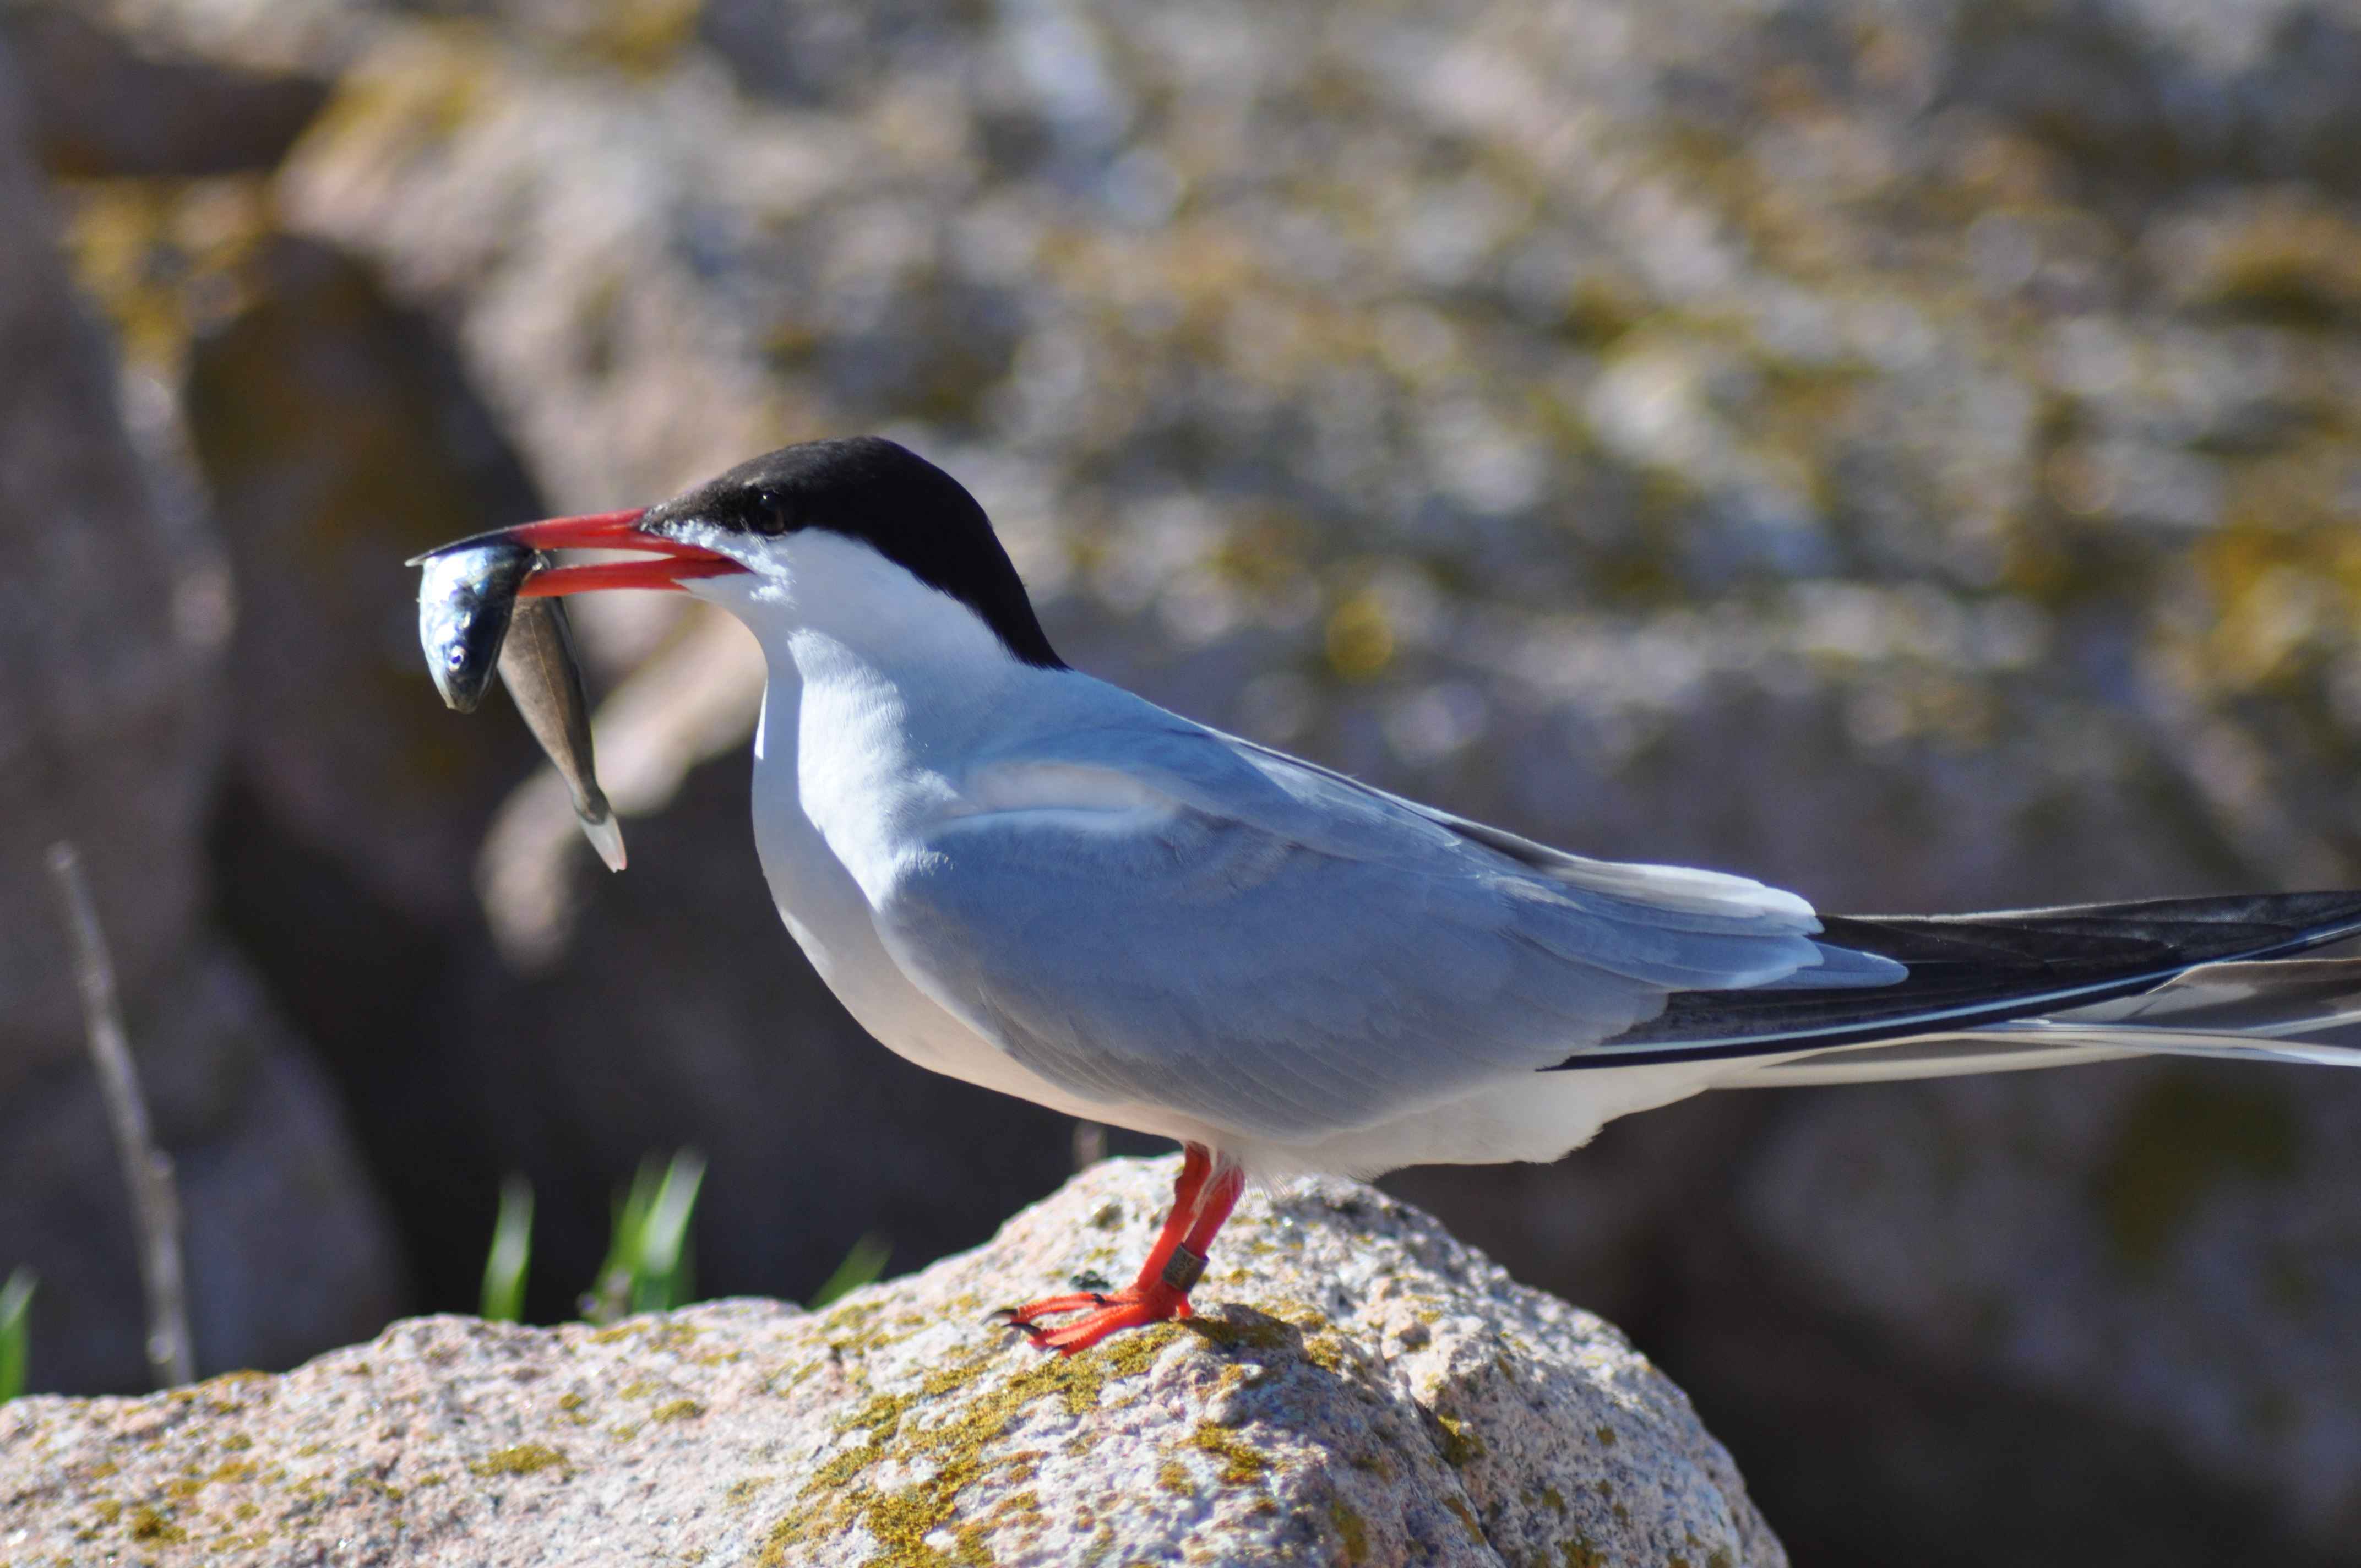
[(543, 678), (471, 622), (465, 600)]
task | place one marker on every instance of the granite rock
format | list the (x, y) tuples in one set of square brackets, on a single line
[(111, 632), (115, 614), (2120, 1240), (102, 107), (286, 1246), (1358, 1388), (337, 439)]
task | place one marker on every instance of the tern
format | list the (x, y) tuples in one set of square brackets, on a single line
[(1024, 877)]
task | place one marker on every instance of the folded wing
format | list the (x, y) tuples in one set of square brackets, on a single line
[(1145, 911)]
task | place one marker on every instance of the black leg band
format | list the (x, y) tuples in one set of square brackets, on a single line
[(1183, 1270)]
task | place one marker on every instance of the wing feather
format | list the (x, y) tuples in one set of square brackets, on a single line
[(1146, 911)]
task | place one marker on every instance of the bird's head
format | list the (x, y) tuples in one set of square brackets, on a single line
[(776, 532)]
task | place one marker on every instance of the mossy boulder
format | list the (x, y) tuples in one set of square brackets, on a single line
[(1356, 1388)]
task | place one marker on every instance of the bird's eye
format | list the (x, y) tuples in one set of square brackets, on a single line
[(766, 513)]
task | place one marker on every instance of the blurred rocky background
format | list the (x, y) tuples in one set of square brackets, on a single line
[(1909, 450)]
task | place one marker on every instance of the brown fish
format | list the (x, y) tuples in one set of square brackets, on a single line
[(544, 679)]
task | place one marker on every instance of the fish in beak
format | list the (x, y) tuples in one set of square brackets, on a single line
[(493, 602)]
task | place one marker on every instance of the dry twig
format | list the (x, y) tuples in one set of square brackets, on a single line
[(147, 1169)]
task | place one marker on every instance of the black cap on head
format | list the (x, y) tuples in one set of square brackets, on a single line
[(889, 498)]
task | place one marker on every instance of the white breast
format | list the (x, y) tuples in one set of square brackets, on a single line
[(869, 695), (821, 898)]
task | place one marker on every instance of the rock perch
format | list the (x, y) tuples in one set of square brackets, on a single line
[(1358, 1388)]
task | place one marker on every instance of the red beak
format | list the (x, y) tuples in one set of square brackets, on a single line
[(673, 564)]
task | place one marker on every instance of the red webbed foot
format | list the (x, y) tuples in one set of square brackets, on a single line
[(1102, 1313), (1029, 1315), (1202, 1199)]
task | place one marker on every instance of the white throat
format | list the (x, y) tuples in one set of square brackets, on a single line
[(821, 603), (879, 686)]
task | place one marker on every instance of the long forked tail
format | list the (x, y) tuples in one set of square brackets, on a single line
[(2298, 1010), (2039, 987)]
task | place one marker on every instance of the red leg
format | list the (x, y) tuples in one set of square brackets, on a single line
[(1202, 1198), (1196, 1163)]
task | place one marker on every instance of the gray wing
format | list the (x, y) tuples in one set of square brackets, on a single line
[(1172, 918)]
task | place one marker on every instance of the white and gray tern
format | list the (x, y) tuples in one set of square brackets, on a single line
[(1035, 880)]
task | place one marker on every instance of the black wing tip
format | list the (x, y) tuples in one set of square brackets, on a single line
[(2318, 907), (1985, 968)]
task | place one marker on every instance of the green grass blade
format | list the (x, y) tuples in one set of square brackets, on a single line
[(864, 1264), (511, 1254), (16, 1331), (650, 1266), (610, 1296), (661, 1278)]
